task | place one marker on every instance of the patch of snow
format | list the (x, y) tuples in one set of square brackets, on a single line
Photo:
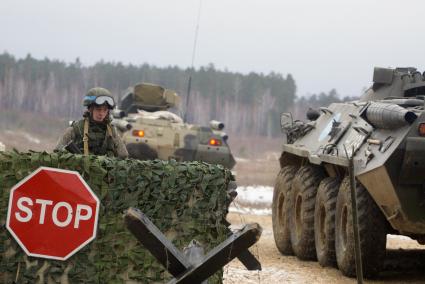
[(399, 237), (2, 147), (31, 138), (25, 135), (255, 200), (250, 211), (255, 195), (241, 160)]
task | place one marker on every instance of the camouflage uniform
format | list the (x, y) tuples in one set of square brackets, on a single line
[(100, 140)]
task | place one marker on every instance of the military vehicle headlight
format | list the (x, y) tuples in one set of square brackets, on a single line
[(138, 133), (214, 142), (421, 129)]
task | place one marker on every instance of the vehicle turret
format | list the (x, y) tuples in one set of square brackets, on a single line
[(148, 97)]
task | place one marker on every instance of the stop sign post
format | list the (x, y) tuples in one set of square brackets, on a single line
[(52, 213)]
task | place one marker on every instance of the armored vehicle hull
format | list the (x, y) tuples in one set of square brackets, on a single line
[(151, 132), (384, 132)]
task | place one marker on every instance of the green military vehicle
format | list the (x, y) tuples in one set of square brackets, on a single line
[(150, 131), (384, 132)]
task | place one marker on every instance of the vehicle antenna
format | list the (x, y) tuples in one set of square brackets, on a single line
[(189, 83)]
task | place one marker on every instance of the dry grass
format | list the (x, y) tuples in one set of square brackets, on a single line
[(25, 131), (257, 159), (253, 147), (257, 171)]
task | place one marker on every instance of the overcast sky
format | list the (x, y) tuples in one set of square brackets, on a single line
[(323, 44)]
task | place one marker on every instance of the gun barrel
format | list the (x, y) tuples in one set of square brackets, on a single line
[(217, 125), (389, 116), (117, 113), (224, 136), (122, 125)]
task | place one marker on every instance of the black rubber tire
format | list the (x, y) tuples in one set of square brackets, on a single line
[(141, 151), (324, 221), (280, 209), (372, 230), (303, 198)]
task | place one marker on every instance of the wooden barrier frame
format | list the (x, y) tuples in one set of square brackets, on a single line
[(236, 245)]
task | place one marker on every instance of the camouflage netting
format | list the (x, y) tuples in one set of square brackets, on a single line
[(185, 200)]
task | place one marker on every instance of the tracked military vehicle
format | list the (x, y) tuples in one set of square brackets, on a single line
[(151, 131), (384, 132)]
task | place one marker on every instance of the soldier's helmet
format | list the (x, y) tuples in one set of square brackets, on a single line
[(99, 96)]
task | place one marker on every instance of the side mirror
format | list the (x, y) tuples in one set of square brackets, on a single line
[(286, 120)]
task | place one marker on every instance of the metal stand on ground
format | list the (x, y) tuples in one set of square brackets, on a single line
[(192, 267), (358, 255)]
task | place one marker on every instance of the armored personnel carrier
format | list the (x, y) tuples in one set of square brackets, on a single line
[(150, 131), (384, 132)]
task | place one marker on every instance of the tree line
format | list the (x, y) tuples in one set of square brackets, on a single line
[(249, 104)]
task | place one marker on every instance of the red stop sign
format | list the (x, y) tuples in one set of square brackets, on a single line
[(52, 213)]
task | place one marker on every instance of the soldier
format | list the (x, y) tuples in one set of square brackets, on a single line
[(94, 134)]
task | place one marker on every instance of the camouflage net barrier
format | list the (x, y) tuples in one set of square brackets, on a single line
[(185, 201)]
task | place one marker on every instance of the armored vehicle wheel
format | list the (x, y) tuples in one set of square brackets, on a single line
[(141, 151), (280, 209), (303, 197), (372, 229), (324, 221)]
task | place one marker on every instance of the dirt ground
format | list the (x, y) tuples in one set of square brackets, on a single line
[(405, 261), (27, 131), (261, 170)]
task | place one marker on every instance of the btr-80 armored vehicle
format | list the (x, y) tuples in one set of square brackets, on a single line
[(384, 132), (150, 131)]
